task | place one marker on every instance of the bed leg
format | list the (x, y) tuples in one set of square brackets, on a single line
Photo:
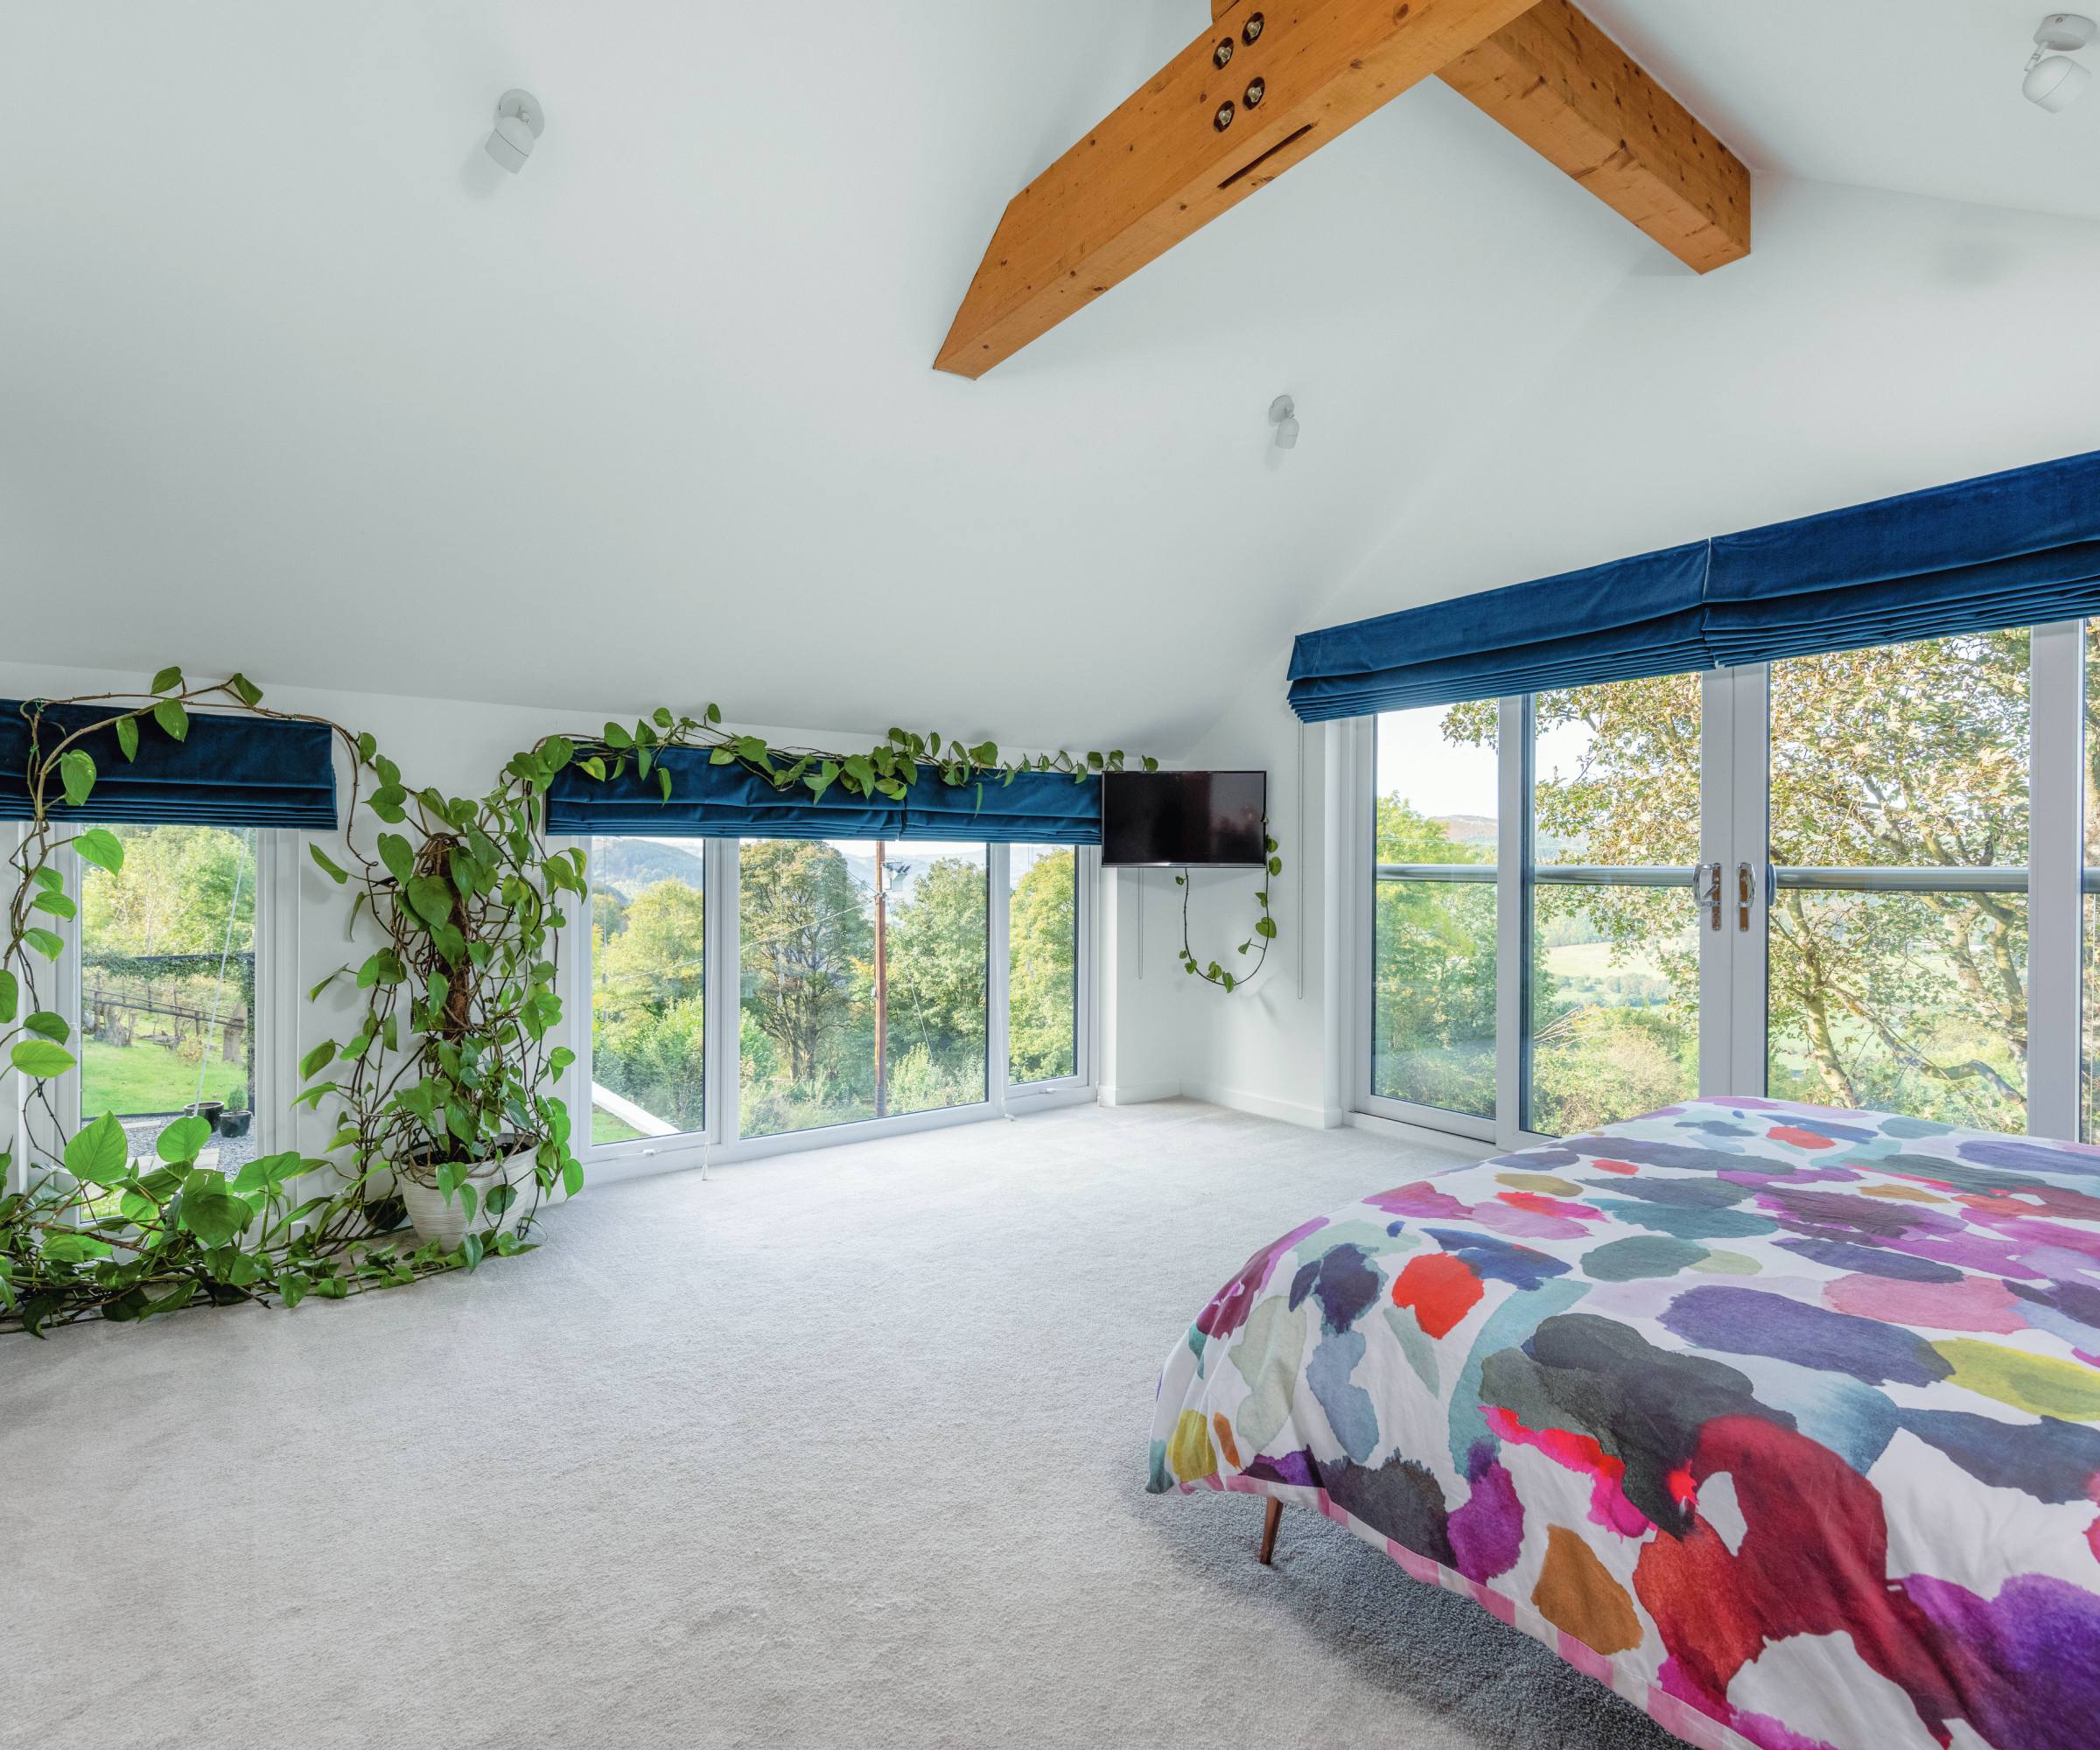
[(1270, 1521)]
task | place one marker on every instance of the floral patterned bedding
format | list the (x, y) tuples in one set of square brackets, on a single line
[(1782, 1421)]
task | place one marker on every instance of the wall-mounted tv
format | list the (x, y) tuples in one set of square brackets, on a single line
[(1197, 820)]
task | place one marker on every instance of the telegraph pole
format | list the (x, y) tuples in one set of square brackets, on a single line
[(882, 978)]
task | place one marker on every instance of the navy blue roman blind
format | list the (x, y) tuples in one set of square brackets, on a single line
[(726, 802), (229, 771), (2017, 548)]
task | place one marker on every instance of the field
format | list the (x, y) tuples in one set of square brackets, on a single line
[(148, 1078)]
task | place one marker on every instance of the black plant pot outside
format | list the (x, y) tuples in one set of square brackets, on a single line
[(206, 1110), (234, 1123)]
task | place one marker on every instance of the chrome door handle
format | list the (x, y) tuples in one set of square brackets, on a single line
[(1711, 896)]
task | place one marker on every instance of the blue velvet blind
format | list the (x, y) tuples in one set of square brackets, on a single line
[(1037, 807), (2015, 548), (229, 771), (726, 802), (1609, 623)]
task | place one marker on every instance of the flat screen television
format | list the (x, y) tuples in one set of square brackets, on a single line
[(1197, 820)]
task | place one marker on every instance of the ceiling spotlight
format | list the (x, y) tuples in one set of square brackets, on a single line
[(519, 120), (1283, 414), (2053, 82)]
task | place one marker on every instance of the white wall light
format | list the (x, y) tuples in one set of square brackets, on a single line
[(1283, 414), (2053, 82), (519, 120)]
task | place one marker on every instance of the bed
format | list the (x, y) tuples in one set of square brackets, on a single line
[(1782, 1421)]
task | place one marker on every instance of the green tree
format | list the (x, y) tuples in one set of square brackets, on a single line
[(1910, 755), (807, 944), (179, 885), (1433, 993), (936, 973), (647, 1007), (1042, 971)]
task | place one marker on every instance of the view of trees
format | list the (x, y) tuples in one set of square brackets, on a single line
[(1433, 986), (1043, 928), (648, 957), (807, 980), (168, 971), (1909, 756)]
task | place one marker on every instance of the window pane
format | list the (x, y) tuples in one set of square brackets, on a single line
[(1432, 992), (1614, 1004), (863, 980), (1042, 926), (167, 984), (648, 988), (1912, 1003), (1910, 756), (1614, 972), (1432, 1021)]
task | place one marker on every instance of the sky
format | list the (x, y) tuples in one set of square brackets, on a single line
[(1436, 778)]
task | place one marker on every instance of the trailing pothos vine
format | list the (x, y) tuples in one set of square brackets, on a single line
[(1264, 925), (891, 767), (448, 1070), (445, 1075)]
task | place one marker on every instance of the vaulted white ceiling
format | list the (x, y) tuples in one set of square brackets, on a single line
[(296, 381)]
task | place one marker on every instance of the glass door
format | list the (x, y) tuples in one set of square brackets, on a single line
[(1855, 880), (1899, 845), (1614, 948)]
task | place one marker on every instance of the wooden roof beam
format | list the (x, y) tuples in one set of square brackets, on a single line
[(1230, 113), (1273, 80), (1570, 93)]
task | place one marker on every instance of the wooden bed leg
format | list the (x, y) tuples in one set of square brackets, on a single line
[(1268, 1524)]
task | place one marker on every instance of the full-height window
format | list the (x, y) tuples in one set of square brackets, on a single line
[(1858, 879), (648, 988), (1614, 1016), (1433, 910), (1042, 979), (863, 980), (1899, 812), (167, 982)]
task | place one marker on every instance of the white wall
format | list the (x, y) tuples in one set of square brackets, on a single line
[(1871, 344)]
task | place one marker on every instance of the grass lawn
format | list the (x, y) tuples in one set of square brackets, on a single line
[(148, 1078), (605, 1128), (1593, 960)]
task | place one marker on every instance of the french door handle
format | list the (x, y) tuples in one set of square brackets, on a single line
[(1710, 896), (1745, 889)]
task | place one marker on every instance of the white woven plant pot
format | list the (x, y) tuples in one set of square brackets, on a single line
[(444, 1219)]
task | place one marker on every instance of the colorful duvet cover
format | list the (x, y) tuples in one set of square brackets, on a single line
[(1782, 1421)]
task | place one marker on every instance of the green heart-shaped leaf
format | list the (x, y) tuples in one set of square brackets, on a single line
[(183, 1140), (102, 848), (208, 1212), (40, 1058), (76, 775), (99, 1154), (430, 899)]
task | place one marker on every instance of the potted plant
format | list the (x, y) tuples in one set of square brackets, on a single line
[(237, 1115), (447, 1084)]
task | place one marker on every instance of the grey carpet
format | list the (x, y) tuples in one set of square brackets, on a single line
[(844, 1448)]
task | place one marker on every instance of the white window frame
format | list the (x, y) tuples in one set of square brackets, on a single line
[(1735, 835), (721, 1140), (275, 1021), (1053, 1090)]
